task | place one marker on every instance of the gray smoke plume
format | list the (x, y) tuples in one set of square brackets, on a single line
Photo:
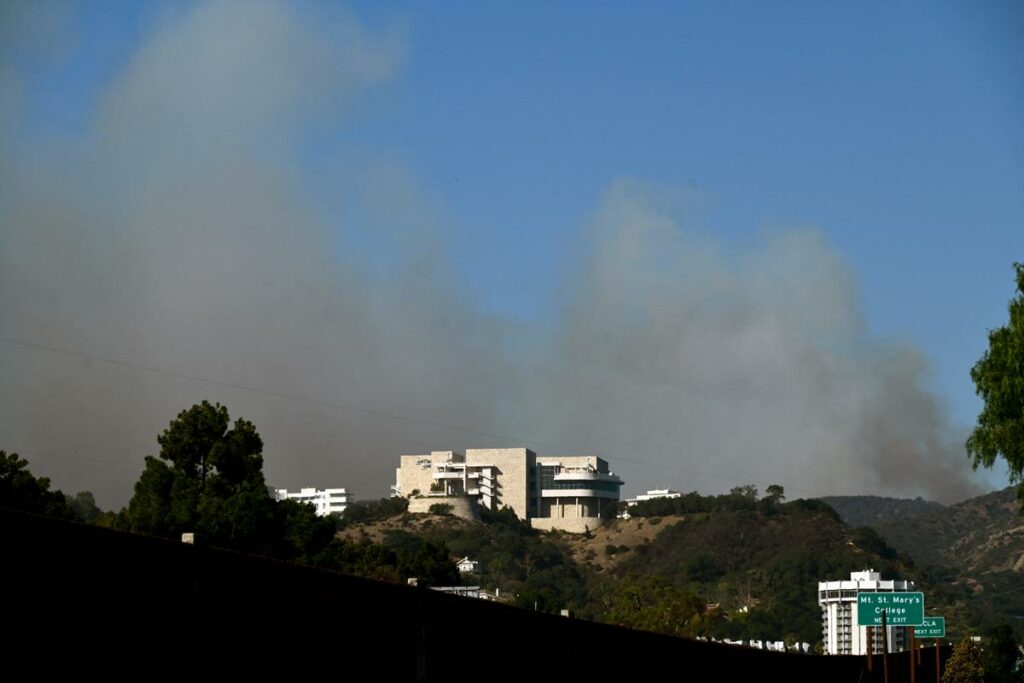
[(754, 365), (179, 249)]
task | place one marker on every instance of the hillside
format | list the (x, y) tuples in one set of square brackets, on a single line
[(973, 551), (983, 534), (988, 533), (748, 571), (860, 511), (759, 567), (735, 566)]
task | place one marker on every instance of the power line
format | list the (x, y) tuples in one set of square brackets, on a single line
[(369, 411)]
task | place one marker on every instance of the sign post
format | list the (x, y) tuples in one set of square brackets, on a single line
[(885, 650), (913, 664), (933, 627), (876, 609)]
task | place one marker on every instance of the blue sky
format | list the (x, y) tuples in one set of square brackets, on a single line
[(893, 130)]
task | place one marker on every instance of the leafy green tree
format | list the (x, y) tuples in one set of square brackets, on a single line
[(702, 569), (965, 665), (84, 506), (371, 560), (552, 588), (20, 490), (748, 491), (156, 493), (1002, 657), (208, 479), (868, 539), (440, 509), (431, 563), (651, 603), (305, 534), (776, 493), (999, 381), (200, 444)]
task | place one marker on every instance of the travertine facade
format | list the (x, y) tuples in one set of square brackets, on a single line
[(461, 506), (572, 493)]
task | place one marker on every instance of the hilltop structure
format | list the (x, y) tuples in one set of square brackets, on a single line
[(650, 495), (570, 493), (326, 501), (838, 600)]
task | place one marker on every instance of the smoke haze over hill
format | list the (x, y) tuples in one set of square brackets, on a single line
[(180, 236)]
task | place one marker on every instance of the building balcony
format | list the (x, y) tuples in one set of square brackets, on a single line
[(568, 474), (579, 493)]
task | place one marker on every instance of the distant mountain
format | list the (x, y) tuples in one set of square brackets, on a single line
[(991, 533), (872, 510), (972, 553), (983, 534)]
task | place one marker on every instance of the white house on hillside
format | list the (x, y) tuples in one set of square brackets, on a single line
[(326, 501), (468, 566)]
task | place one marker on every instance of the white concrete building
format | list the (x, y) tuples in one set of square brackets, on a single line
[(838, 601), (571, 493), (654, 493), (326, 501), (650, 495), (464, 591), (468, 566), (771, 645)]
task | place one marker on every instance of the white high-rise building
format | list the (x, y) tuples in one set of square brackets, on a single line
[(326, 501), (838, 600)]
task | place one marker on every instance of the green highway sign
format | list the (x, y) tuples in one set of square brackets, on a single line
[(933, 627), (901, 609)]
